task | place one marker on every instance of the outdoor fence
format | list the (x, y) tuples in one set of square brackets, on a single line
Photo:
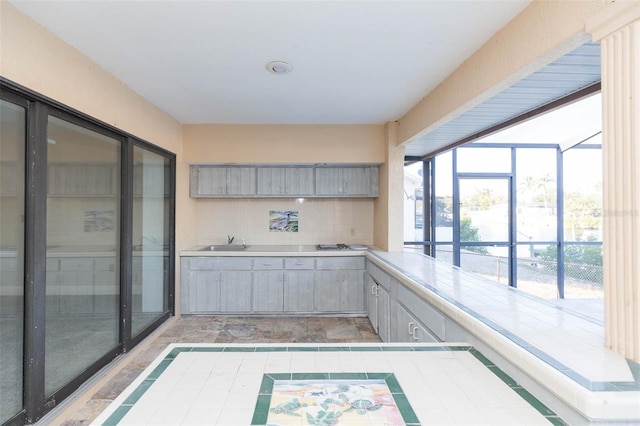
[(534, 275)]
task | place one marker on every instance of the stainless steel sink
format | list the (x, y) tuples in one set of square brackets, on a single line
[(225, 247)]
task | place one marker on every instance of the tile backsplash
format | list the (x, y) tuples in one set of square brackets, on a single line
[(321, 221)]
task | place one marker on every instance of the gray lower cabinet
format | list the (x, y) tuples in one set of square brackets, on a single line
[(268, 291), (379, 301), (397, 313), (269, 285), (235, 291), (409, 329), (378, 308), (427, 316), (299, 284), (299, 291), (340, 284), (216, 284)]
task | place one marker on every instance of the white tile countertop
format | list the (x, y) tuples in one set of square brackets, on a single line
[(273, 250), (561, 350)]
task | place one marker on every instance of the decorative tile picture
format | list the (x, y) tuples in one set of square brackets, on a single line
[(318, 399), (283, 220), (96, 220)]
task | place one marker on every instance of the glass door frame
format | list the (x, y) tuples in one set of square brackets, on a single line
[(511, 221)]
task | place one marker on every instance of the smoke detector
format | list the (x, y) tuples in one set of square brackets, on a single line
[(279, 67)]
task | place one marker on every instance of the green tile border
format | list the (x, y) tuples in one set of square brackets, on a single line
[(268, 379), (517, 388), (260, 414)]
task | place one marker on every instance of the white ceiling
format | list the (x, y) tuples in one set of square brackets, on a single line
[(204, 61)]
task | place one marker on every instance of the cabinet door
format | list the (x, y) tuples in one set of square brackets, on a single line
[(357, 180), (271, 181), (384, 323), (204, 291), (235, 291), (329, 181), (241, 181), (268, 291), (409, 329), (299, 181), (372, 302), (298, 291), (404, 325), (422, 335), (340, 291), (207, 181)]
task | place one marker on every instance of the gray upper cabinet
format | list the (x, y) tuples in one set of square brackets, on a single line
[(208, 181), (271, 181), (221, 181), (347, 181), (241, 181), (299, 181), (294, 181), (283, 181)]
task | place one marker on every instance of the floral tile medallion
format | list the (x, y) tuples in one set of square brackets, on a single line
[(333, 401)]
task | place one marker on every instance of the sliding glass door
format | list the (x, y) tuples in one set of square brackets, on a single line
[(151, 238), (12, 183), (87, 217), (83, 256)]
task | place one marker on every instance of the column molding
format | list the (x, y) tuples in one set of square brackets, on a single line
[(617, 28)]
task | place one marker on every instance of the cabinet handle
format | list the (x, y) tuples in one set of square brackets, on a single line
[(413, 333), (410, 326)]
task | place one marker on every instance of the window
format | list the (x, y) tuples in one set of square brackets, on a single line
[(523, 206)]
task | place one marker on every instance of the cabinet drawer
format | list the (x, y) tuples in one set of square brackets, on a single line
[(379, 275), (423, 311), (298, 263), (267, 263), (220, 264), (340, 263)]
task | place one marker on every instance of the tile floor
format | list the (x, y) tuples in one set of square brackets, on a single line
[(213, 329), (232, 384)]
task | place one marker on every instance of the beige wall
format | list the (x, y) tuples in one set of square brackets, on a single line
[(40, 61), (389, 207), (34, 58), (225, 143), (321, 220)]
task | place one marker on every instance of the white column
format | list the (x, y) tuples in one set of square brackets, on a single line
[(617, 28)]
